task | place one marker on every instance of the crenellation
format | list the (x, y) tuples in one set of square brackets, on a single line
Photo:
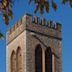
[(35, 24), (19, 22), (15, 26), (49, 23), (36, 19), (58, 26), (43, 21), (28, 19)]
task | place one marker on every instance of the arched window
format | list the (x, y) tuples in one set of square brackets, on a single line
[(13, 62), (38, 59), (48, 60), (18, 60)]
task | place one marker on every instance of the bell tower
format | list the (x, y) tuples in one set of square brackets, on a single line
[(34, 45)]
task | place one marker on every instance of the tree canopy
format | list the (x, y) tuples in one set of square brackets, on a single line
[(45, 4), (6, 10)]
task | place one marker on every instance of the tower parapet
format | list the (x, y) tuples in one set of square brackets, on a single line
[(34, 24)]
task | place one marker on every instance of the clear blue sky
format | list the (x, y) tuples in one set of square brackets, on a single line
[(63, 15)]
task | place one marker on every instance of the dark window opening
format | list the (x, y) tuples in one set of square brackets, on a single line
[(48, 60), (38, 58)]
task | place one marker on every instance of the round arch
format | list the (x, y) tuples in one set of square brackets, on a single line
[(13, 61)]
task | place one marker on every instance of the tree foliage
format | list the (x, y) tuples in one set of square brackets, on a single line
[(6, 10), (45, 4)]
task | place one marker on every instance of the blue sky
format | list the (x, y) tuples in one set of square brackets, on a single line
[(63, 15)]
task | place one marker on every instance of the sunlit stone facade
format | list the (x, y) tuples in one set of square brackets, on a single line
[(34, 45)]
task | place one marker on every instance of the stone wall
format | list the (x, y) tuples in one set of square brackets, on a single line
[(44, 41), (34, 24), (19, 41), (27, 33)]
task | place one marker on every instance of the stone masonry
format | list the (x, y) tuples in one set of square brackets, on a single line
[(27, 33)]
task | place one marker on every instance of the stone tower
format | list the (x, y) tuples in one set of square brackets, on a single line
[(34, 45)]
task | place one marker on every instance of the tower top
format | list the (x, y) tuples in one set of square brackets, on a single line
[(34, 24)]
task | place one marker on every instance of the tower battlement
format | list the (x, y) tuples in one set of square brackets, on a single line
[(34, 24), (34, 45)]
